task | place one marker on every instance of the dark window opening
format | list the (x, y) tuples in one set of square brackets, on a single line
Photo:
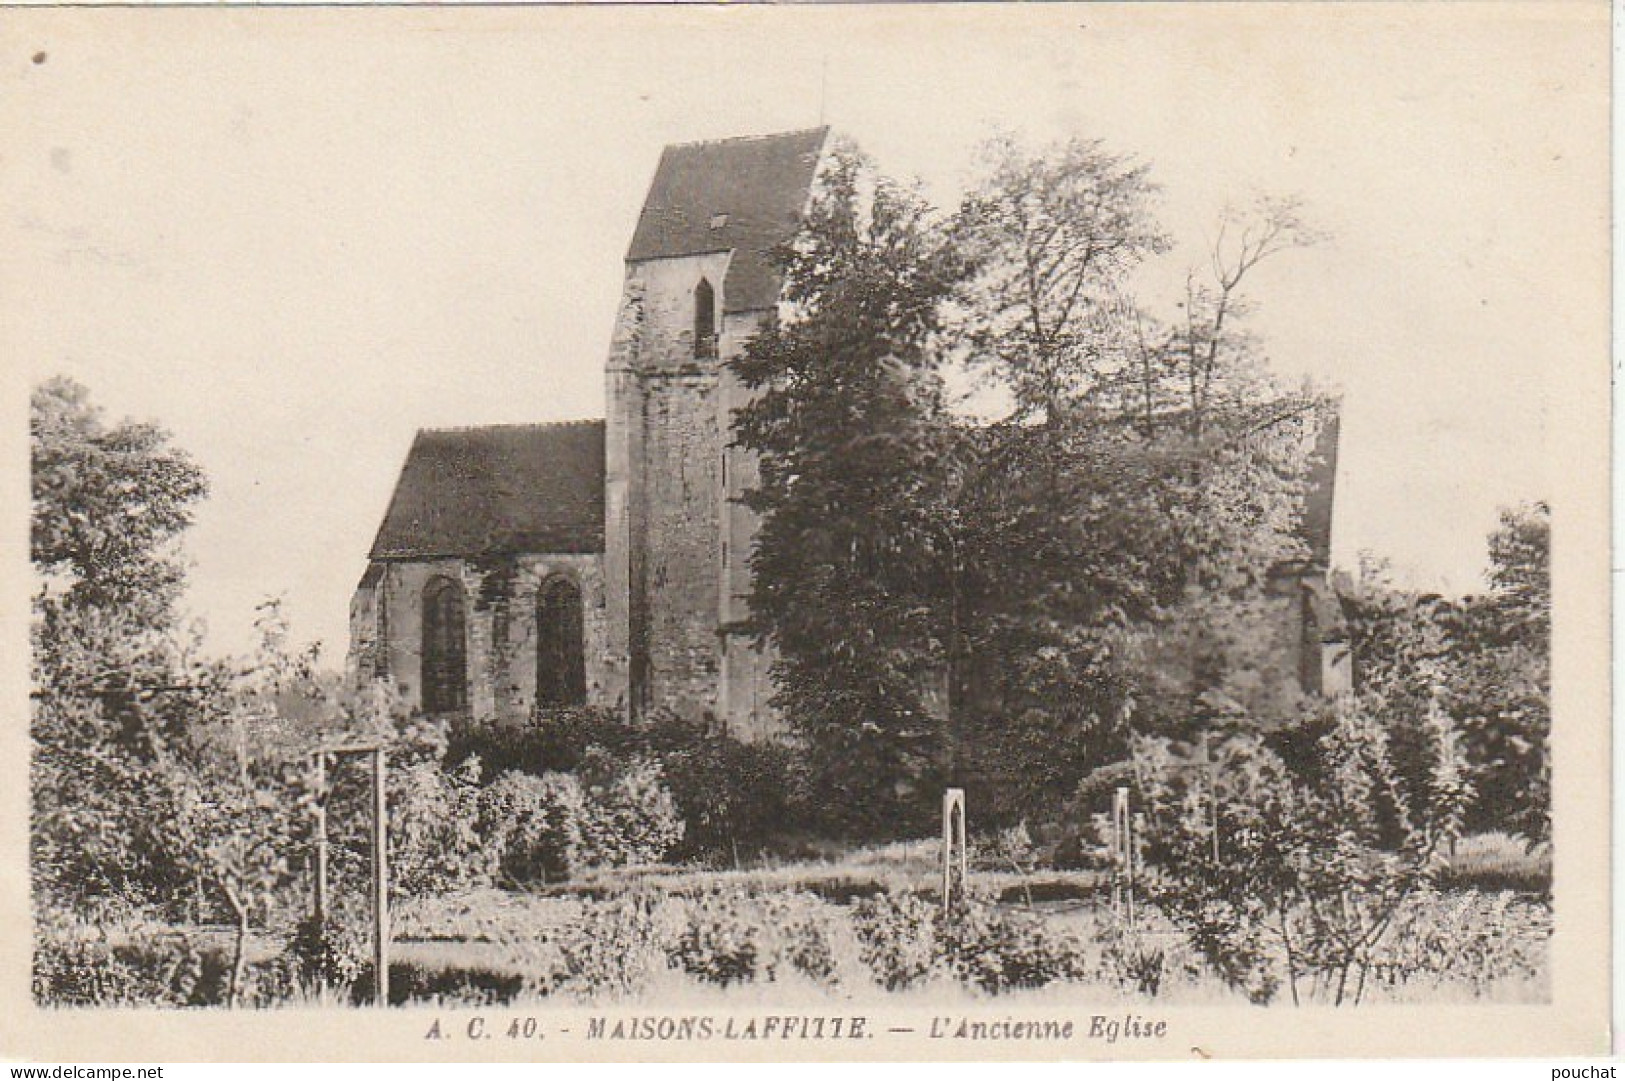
[(705, 320), (445, 651), (561, 670)]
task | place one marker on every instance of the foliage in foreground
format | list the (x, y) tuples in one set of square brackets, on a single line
[(643, 945), (1295, 875)]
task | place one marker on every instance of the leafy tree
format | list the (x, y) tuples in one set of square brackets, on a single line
[(1485, 660), (852, 570), (108, 505), (1055, 234), (1293, 874), (1119, 525), (1500, 677), (1005, 598)]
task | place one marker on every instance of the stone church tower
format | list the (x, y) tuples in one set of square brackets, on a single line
[(602, 563), (699, 283)]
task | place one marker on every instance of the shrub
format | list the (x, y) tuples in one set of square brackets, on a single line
[(610, 951), (1300, 880), (722, 938), (998, 950), (907, 937), (333, 952), (731, 794), (532, 825), (732, 935), (628, 816), (1470, 939), (146, 970), (434, 840), (898, 937)]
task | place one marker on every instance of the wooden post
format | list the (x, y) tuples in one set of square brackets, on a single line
[(319, 858), (319, 900), (1212, 769), (380, 876), (1121, 902), (953, 839), (1136, 830)]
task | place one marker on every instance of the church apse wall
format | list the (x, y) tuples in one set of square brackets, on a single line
[(505, 660)]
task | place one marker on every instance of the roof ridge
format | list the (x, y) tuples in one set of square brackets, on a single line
[(460, 429), (760, 137)]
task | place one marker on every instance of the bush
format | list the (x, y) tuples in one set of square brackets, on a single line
[(1303, 880), (532, 825), (334, 952), (998, 950), (610, 951), (628, 816), (434, 839), (147, 970), (906, 938), (898, 937), (1469, 938), (731, 794), (732, 935)]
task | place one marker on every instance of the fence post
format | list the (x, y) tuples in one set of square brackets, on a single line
[(319, 858), (1122, 853), (319, 826), (953, 840), (380, 876)]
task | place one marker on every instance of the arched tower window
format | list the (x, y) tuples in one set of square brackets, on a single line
[(705, 320), (445, 651), (561, 672)]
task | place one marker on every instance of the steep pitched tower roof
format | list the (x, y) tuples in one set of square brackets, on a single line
[(742, 195)]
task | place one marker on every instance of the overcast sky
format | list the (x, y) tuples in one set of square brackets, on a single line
[(295, 237)]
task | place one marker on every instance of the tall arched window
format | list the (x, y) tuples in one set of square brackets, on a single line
[(705, 320), (561, 670), (445, 651)]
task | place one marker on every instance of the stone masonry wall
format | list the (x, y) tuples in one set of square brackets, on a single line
[(500, 624)]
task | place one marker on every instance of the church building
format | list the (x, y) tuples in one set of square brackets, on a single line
[(525, 567)]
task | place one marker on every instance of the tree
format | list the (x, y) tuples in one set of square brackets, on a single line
[(1295, 873), (1500, 678), (1121, 522), (957, 599), (852, 570), (108, 506), (1485, 660), (1055, 233)]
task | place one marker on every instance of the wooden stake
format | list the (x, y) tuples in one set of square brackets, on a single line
[(319, 898), (319, 901), (380, 876), (953, 837)]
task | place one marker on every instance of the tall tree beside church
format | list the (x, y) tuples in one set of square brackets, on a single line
[(1144, 481), (853, 567)]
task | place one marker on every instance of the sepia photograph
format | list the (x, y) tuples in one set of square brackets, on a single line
[(873, 532)]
